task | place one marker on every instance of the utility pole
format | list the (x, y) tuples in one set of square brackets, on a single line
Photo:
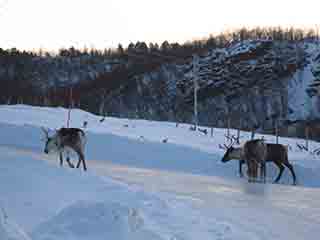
[(195, 70), (277, 130), (70, 107)]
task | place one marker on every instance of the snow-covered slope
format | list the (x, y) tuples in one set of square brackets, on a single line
[(254, 80), (301, 104), (139, 187), (10, 230), (260, 79), (138, 131)]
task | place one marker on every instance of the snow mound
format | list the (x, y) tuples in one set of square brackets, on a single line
[(94, 221), (10, 230), (3, 232)]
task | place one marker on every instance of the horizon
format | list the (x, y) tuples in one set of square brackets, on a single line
[(42, 24)]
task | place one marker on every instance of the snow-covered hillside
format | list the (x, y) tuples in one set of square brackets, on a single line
[(146, 180), (258, 79), (253, 81), (302, 104)]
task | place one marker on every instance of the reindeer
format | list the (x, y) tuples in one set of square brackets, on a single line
[(276, 153), (72, 138), (253, 153)]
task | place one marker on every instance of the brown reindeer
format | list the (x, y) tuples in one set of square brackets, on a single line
[(276, 153), (64, 138), (253, 153)]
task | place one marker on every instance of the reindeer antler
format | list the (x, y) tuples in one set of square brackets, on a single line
[(231, 139), (224, 146)]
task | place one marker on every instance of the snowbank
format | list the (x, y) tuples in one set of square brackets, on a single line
[(10, 230), (85, 220)]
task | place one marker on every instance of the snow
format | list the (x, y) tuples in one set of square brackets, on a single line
[(298, 99), (138, 187), (244, 47), (10, 230), (53, 203), (105, 221)]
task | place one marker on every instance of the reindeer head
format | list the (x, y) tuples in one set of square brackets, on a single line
[(228, 154), (231, 152), (51, 142)]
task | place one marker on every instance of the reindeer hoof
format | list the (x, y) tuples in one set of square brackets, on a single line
[(70, 164)]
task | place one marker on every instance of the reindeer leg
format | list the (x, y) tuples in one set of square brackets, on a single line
[(250, 171), (263, 172), (249, 174), (256, 171), (83, 163), (78, 164), (281, 168), (240, 167), (288, 165), (81, 159), (70, 163), (256, 166), (61, 158)]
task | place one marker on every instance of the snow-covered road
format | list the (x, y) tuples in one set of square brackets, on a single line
[(264, 211), (185, 205)]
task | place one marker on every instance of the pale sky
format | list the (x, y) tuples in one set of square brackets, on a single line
[(52, 24)]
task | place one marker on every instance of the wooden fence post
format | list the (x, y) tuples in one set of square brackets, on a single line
[(307, 137)]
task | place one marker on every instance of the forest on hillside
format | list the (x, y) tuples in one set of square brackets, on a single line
[(153, 81)]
